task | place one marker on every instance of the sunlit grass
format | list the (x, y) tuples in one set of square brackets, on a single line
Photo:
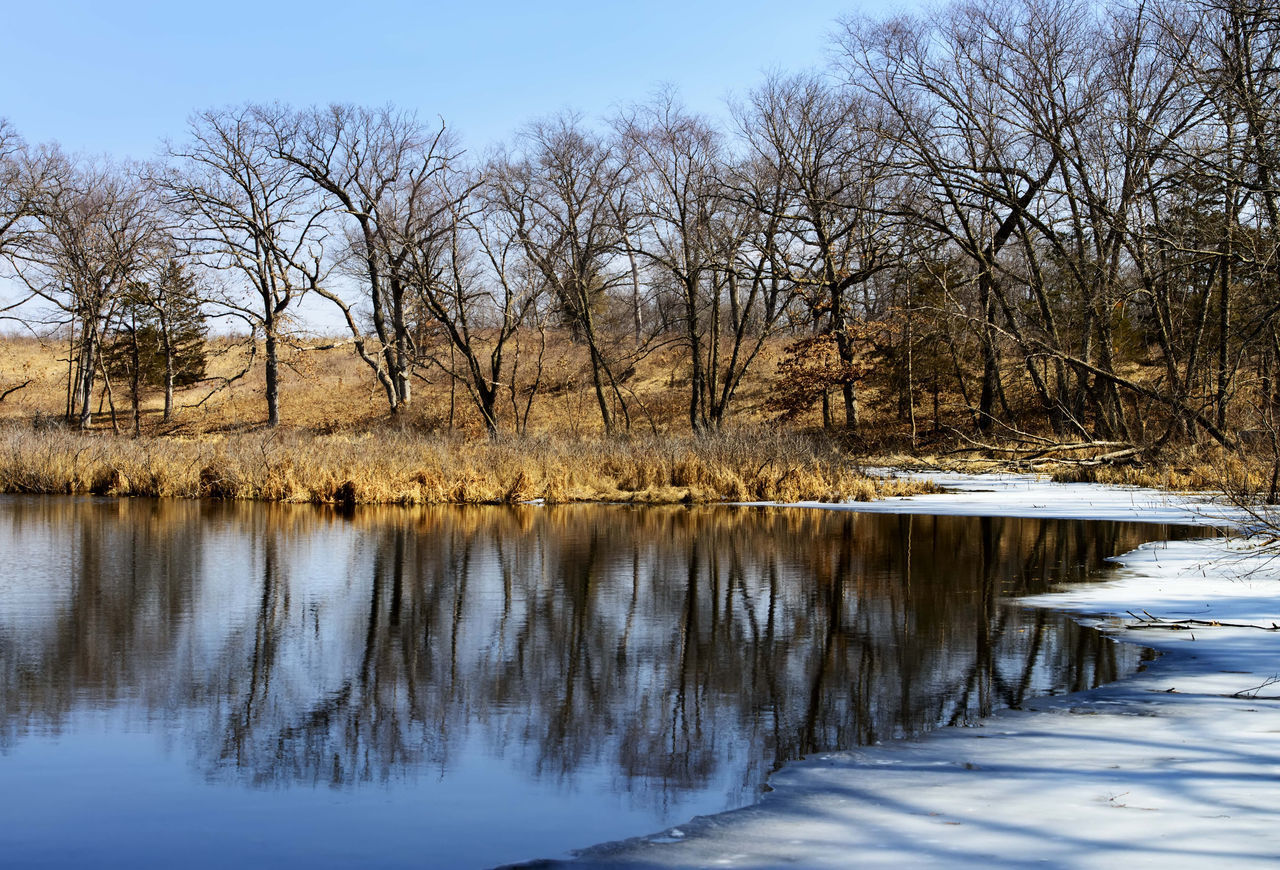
[(403, 467)]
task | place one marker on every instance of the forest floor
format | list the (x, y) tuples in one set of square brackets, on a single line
[(1175, 766)]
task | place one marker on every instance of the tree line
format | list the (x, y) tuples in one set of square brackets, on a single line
[(1042, 218)]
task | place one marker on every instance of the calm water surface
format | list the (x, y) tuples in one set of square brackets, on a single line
[(210, 685)]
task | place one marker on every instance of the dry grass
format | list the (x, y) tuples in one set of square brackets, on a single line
[(407, 468), (338, 445), (328, 389), (1204, 469)]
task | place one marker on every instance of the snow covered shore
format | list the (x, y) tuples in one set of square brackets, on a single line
[(1178, 766)]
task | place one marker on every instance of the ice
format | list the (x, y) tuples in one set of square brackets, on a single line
[(1027, 495), (1178, 766)]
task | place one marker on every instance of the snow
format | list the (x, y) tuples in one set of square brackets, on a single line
[(1025, 495), (1178, 766)]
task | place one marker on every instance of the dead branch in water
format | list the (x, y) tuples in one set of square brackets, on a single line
[(1149, 621), (1252, 694)]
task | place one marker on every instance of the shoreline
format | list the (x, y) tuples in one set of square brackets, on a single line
[(1176, 766)]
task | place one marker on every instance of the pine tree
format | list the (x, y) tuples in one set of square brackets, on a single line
[(159, 338)]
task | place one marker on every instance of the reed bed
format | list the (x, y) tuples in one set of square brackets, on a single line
[(1207, 468), (403, 467), (1203, 468)]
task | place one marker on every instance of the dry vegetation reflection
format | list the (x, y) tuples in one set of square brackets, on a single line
[(679, 648)]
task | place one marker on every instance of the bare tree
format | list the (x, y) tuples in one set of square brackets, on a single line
[(752, 292), (470, 289), (15, 192), (25, 176), (396, 185), (562, 200), (677, 194), (94, 230), (832, 153), (957, 126), (709, 231), (1230, 51), (242, 210), (15, 206), (1097, 172)]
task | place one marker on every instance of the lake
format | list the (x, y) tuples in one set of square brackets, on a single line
[(216, 683)]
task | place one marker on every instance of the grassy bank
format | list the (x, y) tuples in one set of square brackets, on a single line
[(1199, 468), (338, 443), (393, 467)]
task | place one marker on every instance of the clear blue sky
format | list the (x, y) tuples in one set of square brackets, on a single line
[(116, 77)]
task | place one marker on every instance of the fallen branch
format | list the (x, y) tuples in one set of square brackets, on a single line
[(1252, 694), (1045, 450), (1103, 459), (1149, 621), (1040, 450), (9, 392)]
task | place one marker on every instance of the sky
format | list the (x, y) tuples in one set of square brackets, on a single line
[(118, 77)]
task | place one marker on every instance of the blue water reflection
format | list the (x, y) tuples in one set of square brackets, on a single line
[(454, 687)]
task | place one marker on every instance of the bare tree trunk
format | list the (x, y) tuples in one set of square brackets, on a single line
[(697, 374), (167, 346), (111, 402), (990, 360), (636, 324), (907, 341), (597, 369), (1224, 332), (72, 383), (845, 350), (847, 390), (135, 375), (273, 380), (88, 366)]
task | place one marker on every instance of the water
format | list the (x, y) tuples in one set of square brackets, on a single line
[(220, 684)]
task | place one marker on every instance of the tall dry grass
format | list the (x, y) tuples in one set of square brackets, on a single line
[(403, 467), (1203, 468)]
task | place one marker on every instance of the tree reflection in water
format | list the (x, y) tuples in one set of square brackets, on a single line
[(680, 648)]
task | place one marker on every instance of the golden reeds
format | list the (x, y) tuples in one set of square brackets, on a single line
[(1204, 469), (403, 467)]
